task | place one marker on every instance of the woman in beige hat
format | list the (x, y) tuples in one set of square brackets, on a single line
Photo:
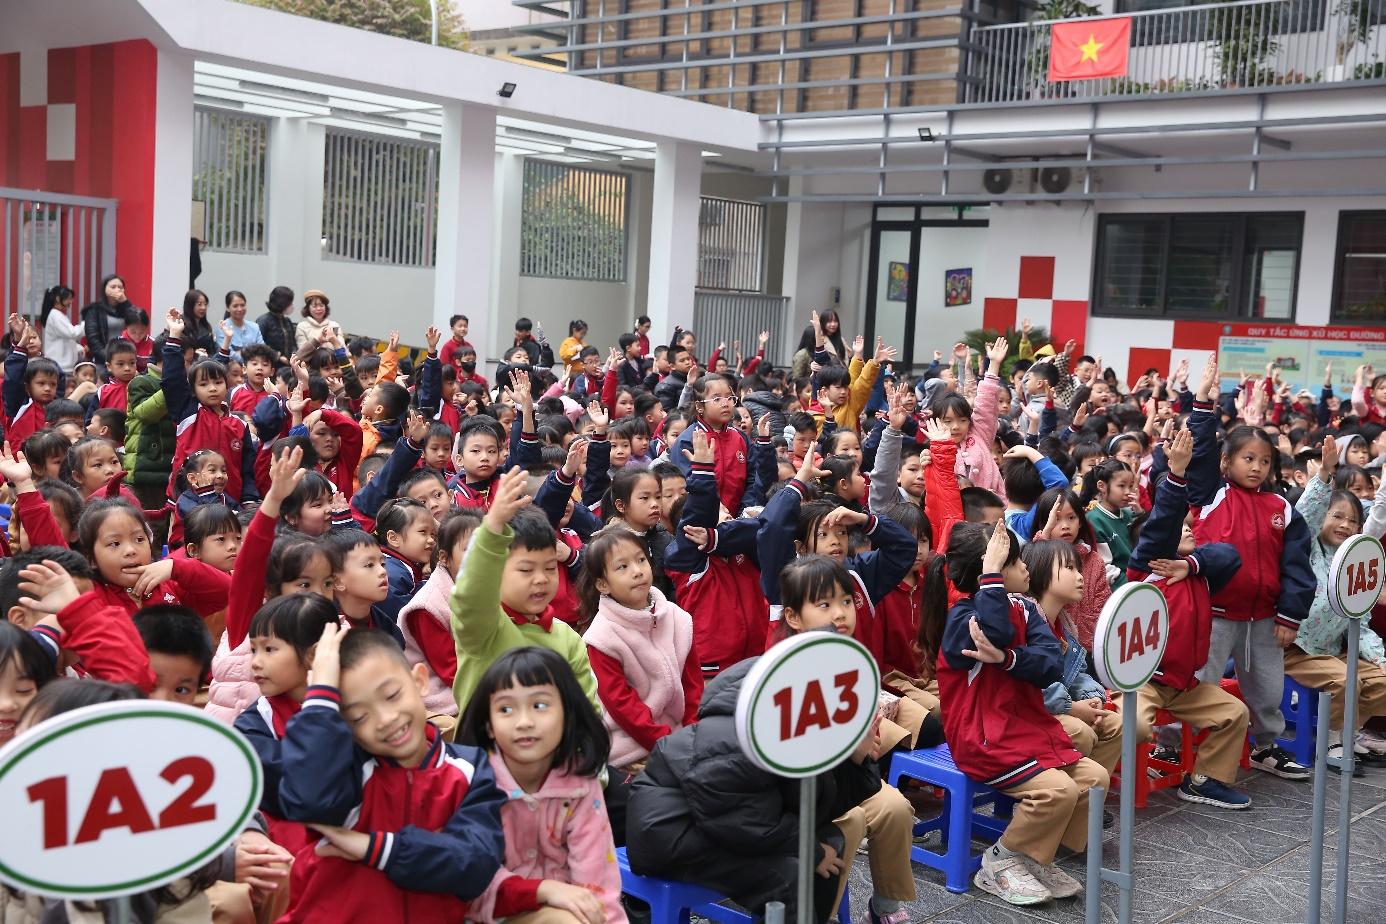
[(315, 318)]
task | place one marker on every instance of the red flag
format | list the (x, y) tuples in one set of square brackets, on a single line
[(1088, 48)]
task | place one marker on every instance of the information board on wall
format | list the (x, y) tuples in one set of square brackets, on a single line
[(1301, 352)]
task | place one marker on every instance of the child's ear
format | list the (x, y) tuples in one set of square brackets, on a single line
[(308, 655), (191, 550), (602, 586), (791, 619), (392, 538), (800, 548), (420, 674), (19, 616)]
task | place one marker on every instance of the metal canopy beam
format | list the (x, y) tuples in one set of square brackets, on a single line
[(984, 198)]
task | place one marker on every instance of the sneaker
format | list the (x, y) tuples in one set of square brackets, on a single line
[(1167, 754), (1275, 759), (1372, 741), (1059, 883), (898, 916), (1009, 879), (1335, 761), (865, 846), (1208, 791)]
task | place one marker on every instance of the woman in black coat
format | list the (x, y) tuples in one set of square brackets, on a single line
[(276, 325), (105, 319), (198, 330)]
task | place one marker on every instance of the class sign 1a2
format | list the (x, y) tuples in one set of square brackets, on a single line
[(807, 703), (120, 798), (1355, 577), (1131, 635)]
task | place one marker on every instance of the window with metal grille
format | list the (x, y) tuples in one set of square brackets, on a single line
[(731, 244), (1194, 265), (1359, 290), (229, 178), (573, 222), (379, 199)]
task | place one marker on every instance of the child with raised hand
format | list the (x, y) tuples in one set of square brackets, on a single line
[(284, 636), (201, 481), (426, 814), (31, 382), (196, 400), (384, 403), (995, 658), (1077, 699), (714, 403), (1189, 574), (1058, 516), (32, 520), (1027, 475), (547, 748), (426, 620), (94, 469), (974, 428), (640, 646), (505, 590), (897, 477), (266, 568), (1109, 499), (336, 440), (1258, 613), (24, 667), (399, 469), (716, 570), (1316, 658)]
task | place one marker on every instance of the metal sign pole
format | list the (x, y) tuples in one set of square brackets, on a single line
[(1093, 906), (1128, 804), (1345, 789), (1316, 827), (808, 794), (120, 906)]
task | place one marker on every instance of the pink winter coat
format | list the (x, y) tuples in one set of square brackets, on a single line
[(432, 601), (560, 833), (975, 461), (231, 690)]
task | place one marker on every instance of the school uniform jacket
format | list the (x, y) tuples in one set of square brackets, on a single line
[(1212, 566), (435, 831), (113, 394), (1275, 579), (201, 427), (993, 714), (104, 640), (245, 399), (23, 415)]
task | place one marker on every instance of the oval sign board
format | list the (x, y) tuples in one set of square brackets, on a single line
[(1131, 635), (807, 703), (120, 798), (1356, 576)]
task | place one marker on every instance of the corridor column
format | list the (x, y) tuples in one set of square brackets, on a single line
[(466, 194), (674, 238)]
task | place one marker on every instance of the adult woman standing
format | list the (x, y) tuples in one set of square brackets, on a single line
[(832, 336), (198, 330), (105, 319), (315, 318), (243, 332), (61, 337), (275, 324)]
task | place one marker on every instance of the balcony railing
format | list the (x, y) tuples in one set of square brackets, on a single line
[(1250, 44)]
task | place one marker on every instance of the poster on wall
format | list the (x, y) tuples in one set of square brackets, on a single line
[(957, 287), (898, 282), (1301, 353)]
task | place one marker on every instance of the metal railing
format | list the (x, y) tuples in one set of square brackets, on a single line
[(1249, 44), (726, 317), (731, 244), (380, 199), (573, 222), (48, 239), (229, 175)]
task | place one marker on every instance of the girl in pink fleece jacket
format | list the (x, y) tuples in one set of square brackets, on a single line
[(974, 428), (546, 746)]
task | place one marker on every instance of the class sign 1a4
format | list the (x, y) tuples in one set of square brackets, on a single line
[(120, 798), (1355, 577), (1131, 635), (807, 703)]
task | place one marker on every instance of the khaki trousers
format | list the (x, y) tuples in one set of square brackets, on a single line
[(1329, 675), (1101, 744), (1206, 705), (1052, 809), (888, 820)]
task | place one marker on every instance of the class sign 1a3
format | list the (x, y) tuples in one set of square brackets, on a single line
[(807, 703), (120, 798)]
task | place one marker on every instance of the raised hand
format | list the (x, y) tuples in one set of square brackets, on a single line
[(432, 336), (18, 329), (884, 354), (998, 548), (15, 469), (702, 449), (326, 669), (576, 458), (997, 353), (1328, 374), (1208, 382), (47, 588), (508, 498), (519, 386), (858, 344), (173, 322), (1025, 327), (416, 427), (392, 345), (597, 414), (960, 351), (763, 338), (1330, 459), (937, 431), (1179, 451), (696, 535), (808, 469)]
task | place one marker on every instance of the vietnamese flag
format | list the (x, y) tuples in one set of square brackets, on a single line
[(1088, 48)]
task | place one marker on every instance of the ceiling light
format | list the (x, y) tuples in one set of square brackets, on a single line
[(506, 91)]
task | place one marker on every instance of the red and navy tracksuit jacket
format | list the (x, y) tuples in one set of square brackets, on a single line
[(263, 724), (1190, 600), (993, 714), (23, 415), (1275, 579), (201, 427), (435, 832), (874, 574), (718, 584)]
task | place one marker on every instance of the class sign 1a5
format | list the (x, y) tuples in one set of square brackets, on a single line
[(120, 798), (1355, 577), (807, 703)]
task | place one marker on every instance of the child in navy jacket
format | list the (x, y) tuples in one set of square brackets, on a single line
[(411, 823)]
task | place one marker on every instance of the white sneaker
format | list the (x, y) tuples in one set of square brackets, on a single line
[(1009, 879), (1059, 883), (1371, 741)]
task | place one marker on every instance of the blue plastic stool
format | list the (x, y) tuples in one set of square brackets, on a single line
[(670, 902), (959, 820), (1300, 707)]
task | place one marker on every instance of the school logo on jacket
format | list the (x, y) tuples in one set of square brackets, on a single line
[(235, 445), (858, 599), (741, 456), (1278, 521)]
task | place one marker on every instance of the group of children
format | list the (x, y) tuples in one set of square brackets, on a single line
[(481, 636)]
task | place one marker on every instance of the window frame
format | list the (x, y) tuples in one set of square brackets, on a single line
[(1335, 315), (624, 182), (1237, 270)]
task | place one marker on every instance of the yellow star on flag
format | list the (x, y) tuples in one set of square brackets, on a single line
[(1089, 50)]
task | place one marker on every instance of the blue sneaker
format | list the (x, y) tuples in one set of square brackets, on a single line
[(1208, 791)]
